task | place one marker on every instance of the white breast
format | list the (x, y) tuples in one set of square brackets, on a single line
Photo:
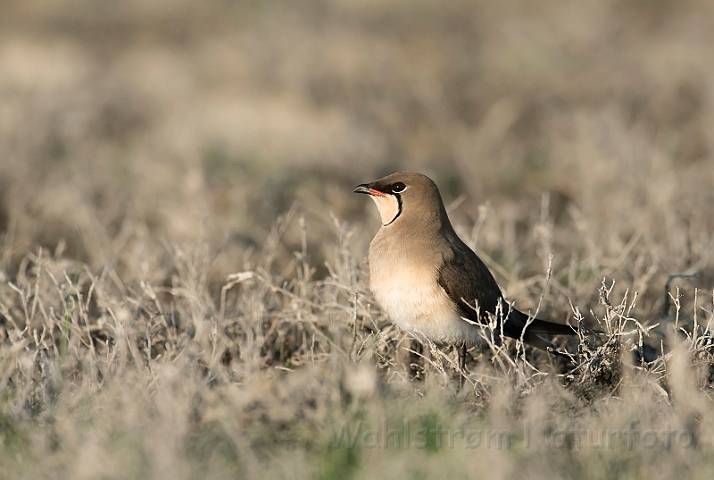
[(407, 288)]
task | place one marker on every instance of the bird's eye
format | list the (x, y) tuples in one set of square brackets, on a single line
[(398, 187)]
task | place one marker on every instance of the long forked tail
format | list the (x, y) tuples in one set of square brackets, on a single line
[(542, 326), (535, 330)]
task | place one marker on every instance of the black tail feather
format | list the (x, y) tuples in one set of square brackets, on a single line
[(534, 330), (542, 326)]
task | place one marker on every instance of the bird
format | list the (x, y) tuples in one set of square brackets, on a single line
[(428, 281)]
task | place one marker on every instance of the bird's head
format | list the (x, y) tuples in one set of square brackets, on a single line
[(403, 196)]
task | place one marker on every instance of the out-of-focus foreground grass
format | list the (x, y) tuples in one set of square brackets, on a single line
[(149, 150)]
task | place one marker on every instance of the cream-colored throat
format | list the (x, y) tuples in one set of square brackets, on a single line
[(388, 207)]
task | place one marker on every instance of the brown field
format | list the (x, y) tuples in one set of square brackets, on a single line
[(183, 277)]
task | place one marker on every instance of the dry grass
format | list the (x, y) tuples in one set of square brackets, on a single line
[(183, 290)]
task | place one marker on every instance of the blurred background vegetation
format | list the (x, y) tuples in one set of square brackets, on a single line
[(176, 121), (150, 148)]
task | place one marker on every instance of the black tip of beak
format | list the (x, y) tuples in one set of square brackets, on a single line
[(364, 188)]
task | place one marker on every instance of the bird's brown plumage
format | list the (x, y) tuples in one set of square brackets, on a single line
[(427, 278)]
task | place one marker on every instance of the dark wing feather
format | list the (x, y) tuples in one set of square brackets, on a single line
[(469, 284)]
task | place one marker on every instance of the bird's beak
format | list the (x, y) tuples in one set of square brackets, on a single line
[(365, 188)]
